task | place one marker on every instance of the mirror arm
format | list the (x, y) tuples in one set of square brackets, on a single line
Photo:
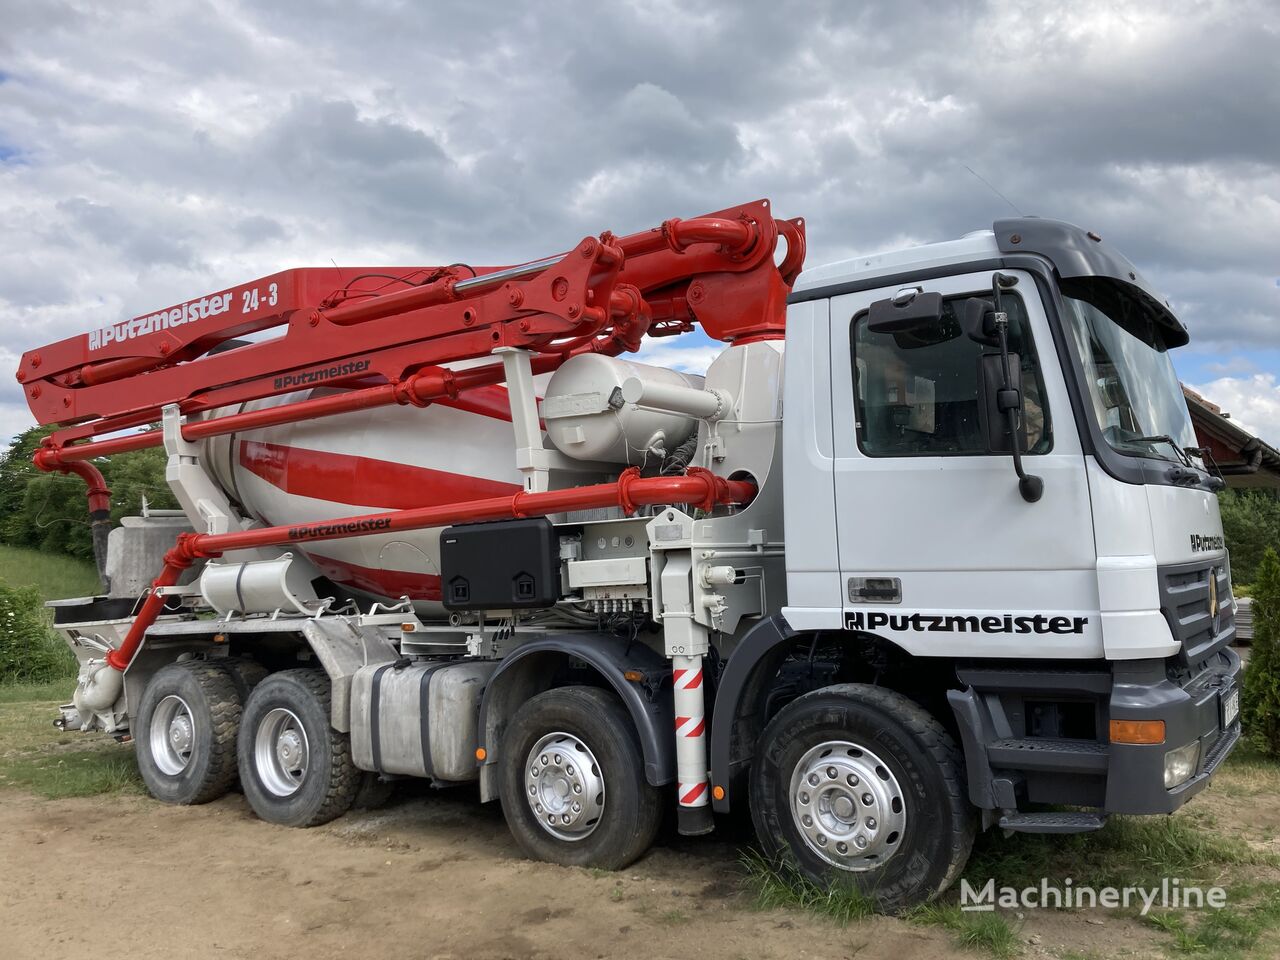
[(1030, 486)]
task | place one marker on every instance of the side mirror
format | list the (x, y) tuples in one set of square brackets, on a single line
[(999, 397), (1000, 376), (980, 322), (901, 313)]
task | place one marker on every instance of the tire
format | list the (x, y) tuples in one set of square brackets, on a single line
[(918, 828), (185, 733), (617, 822), (295, 769), (245, 674), (372, 791)]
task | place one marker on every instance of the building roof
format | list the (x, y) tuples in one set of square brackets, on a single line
[(1245, 460)]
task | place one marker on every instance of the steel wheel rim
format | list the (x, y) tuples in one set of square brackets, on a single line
[(848, 806), (281, 752), (564, 787), (172, 735)]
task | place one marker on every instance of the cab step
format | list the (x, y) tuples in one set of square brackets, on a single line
[(1046, 753), (1053, 822)]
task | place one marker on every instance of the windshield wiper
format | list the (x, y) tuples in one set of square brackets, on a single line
[(1163, 438)]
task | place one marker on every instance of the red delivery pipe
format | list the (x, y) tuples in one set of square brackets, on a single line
[(698, 487), (419, 389), (99, 495), (96, 491), (676, 234)]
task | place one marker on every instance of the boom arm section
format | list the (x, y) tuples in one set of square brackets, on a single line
[(384, 334)]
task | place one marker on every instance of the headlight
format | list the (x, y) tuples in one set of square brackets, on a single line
[(1180, 764)]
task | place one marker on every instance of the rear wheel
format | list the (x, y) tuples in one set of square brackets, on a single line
[(295, 769), (573, 787), (373, 792), (858, 785), (245, 674), (186, 732)]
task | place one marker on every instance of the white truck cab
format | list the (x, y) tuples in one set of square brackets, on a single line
[(1102, 602)]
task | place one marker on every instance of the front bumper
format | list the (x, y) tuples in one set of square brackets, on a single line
[(1014, 763), (1192, 710)]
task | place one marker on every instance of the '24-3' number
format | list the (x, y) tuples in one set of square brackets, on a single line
[(250, 301)]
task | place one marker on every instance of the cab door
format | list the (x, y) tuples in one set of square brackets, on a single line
[(937, 549)]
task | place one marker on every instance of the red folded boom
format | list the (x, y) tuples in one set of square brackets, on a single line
[(375, 328)]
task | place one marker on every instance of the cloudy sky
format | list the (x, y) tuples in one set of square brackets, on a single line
[(153, 152)]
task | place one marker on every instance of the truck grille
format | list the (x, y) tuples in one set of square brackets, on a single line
[(1185, 602)]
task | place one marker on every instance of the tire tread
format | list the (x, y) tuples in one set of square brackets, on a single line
[(344, 778), (935, 742), (222, 698), (226, 708), (594, 703)]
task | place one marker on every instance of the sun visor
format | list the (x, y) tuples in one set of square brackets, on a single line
[(1078, 255)]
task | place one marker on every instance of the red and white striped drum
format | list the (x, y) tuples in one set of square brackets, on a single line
[(379, 459)]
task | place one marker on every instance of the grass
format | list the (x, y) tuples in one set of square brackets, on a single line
[(29, 649), (37, 757), (55, 576), (1249, 773), (55, 690), (774, 885), (988, 932), (1128, 851), (1247, 925), (1143, 851), (82, 773)]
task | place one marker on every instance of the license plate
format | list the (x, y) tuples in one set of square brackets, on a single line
[(1230, 708)]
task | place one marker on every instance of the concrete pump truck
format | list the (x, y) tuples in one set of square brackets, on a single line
[(954, 564)]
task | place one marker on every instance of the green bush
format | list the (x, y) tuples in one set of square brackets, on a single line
[(1251, 524), (1260, 702), (30, 652)]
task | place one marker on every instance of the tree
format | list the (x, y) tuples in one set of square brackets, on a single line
[(1260, 701), (48, 511)]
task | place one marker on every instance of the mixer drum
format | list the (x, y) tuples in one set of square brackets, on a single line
[(385, 458), (396, 457)]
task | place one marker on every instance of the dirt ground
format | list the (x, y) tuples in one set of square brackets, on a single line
[(432, 876)]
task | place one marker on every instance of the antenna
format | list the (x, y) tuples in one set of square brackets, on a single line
[(987, 182)]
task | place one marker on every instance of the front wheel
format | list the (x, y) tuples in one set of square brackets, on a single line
[(858, 785), (295, 769), (573, 786)]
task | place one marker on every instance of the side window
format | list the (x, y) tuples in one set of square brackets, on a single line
[(916, 392)]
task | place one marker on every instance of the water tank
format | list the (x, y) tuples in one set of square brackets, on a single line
[(587, 419)]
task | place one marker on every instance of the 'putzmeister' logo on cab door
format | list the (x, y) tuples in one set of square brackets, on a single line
[(1201, 542), (1001, 623)]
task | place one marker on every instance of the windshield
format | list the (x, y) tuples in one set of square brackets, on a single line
[(1137, 399)]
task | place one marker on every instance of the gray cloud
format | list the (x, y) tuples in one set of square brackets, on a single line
[(150, 154)]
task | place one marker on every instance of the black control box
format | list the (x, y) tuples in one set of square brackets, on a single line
[(504, 565)]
